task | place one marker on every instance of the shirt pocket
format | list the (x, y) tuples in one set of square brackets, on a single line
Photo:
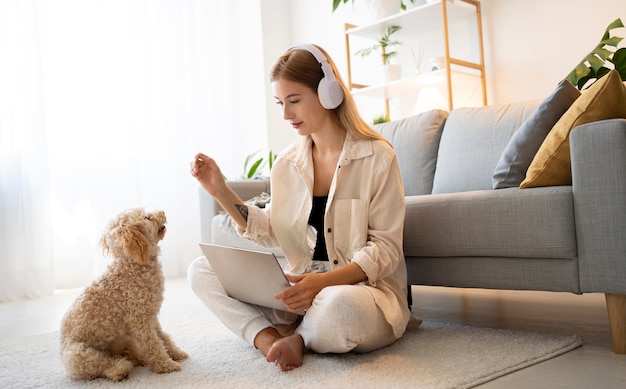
[(350, 225)]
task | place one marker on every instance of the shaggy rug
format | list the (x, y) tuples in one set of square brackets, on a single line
[(434, 355)]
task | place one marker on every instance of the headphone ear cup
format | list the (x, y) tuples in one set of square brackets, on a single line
[(330, 92)]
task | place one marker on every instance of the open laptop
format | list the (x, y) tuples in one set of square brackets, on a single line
[(248, 275)]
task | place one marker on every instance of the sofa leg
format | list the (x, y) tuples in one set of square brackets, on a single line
[(616, 307)]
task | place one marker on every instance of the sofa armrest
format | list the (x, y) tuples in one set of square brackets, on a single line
[(598, 156), (245, 189)]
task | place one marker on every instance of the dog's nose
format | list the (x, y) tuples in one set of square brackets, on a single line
[(159, 217)]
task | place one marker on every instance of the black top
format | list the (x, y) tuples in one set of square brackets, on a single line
[(316, 219)]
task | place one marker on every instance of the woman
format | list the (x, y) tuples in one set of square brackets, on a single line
[(337, 200)]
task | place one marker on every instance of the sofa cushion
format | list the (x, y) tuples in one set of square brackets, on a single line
[(509, 223), (472, 141), (416, 140), (526, 141), (605, 99)]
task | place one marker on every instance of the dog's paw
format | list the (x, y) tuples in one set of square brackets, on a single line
[(119, 370), (162, 367), (178, 354)]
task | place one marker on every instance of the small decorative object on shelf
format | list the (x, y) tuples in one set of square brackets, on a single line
[(417, 58), (437, 63)]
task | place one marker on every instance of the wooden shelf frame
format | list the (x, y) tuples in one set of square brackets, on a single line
[(418, 21)]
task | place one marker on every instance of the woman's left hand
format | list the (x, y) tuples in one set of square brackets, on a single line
[(299, 296)]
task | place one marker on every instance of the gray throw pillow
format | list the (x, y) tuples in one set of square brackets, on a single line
[(416, 142), (526, 141)]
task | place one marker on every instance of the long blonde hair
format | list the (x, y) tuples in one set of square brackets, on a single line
[(298, 65)]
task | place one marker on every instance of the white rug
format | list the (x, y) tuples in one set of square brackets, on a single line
[(434, 355)]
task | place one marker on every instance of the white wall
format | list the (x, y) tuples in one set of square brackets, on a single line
[(530, 45), (276, 29), (533, 44)]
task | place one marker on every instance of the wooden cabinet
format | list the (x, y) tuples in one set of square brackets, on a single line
[(448, 32)]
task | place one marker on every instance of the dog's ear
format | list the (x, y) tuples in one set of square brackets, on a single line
[(104, 245), (135, 244)]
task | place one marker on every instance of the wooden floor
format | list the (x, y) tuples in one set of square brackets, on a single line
[(594, 365)]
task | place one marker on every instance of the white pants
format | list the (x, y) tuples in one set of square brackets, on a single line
[(342, 318)]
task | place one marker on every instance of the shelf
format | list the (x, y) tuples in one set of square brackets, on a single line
[(415, 21), (403, 86), (451, 29)]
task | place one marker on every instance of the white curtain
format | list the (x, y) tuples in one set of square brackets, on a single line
[(102, 105)]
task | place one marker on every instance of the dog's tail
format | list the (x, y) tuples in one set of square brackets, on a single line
[(87, 363)]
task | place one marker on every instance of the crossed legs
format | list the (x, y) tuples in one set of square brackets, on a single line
[(342, 318)]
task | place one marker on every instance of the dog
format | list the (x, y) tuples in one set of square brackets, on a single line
[(113, 325)]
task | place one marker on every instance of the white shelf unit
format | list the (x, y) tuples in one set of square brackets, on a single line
[(428, 26)]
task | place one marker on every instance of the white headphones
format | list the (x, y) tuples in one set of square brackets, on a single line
[(329, 89)]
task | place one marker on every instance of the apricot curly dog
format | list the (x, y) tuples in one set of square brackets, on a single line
[(113, 325)]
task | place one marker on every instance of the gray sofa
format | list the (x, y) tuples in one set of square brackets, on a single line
[(460, 232)]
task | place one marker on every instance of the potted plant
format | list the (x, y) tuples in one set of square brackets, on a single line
[(385, 44), (253, 168), (382, 118), (591, 68)]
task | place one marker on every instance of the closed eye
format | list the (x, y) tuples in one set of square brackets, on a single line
[(293, 102)]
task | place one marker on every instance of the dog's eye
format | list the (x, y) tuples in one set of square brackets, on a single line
[(147, 218)]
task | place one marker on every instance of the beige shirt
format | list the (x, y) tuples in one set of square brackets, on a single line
[(364, 218)]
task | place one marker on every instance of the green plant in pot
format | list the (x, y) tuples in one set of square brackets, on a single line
[(382, 118), (253, 165), (592, 67), (385, 44)]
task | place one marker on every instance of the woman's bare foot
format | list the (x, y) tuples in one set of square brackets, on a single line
[(265, 339), (287, 353)]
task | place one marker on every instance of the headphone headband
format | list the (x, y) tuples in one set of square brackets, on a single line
[(319, 56), (329, 90)]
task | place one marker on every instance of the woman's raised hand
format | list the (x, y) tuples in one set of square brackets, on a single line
[(208, 174)]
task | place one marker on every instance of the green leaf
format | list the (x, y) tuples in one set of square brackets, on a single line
[(249, 158), (595, 62), (619, 61), (393, 28), (254, 167), (271, 159), (589, 68), (383, 42), (336, 3), (403, 6), (617, 23), (613, 41), (365, 52)]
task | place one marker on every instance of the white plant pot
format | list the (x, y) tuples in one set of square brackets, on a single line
[(380, 9), (415, 3), (392, 72)]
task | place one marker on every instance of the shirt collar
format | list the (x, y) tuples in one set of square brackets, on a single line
[(353, 148)]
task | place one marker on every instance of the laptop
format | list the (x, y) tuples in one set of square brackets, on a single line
[(248, 275)]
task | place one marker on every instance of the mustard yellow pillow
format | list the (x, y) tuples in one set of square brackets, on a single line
[(605, 99)]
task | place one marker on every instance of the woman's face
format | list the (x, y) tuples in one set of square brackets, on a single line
[(300, 105)]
